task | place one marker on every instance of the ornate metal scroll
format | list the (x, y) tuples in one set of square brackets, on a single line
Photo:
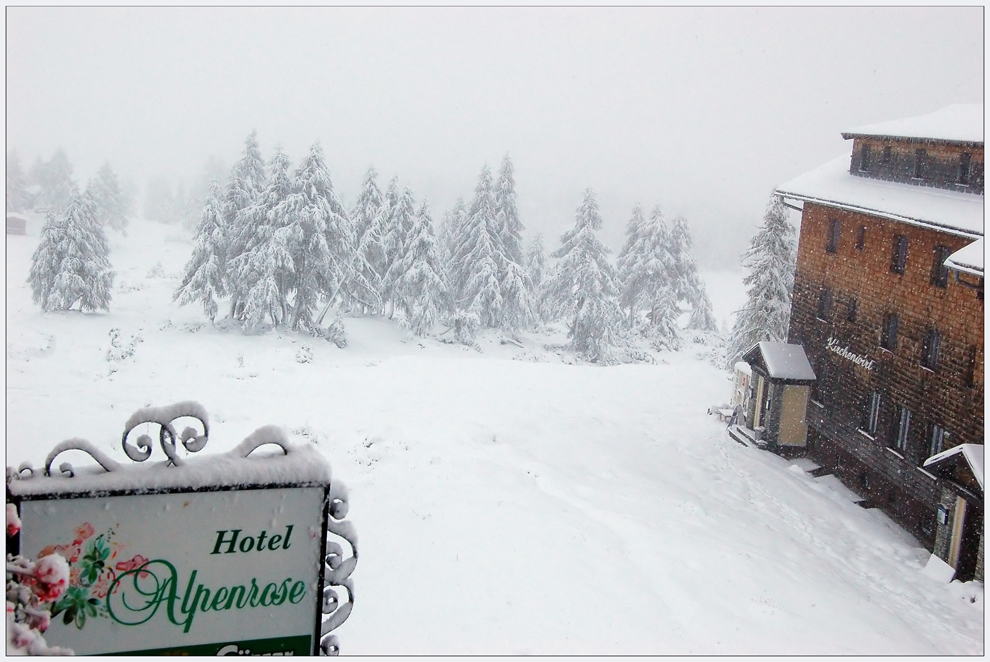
[(337, 570), (167, 436)]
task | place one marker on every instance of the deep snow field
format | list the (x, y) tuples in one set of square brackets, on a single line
[(506, 501)]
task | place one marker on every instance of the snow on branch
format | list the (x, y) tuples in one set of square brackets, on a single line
[(79, 445)]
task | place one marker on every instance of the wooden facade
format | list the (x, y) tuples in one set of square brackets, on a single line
[(895, 340)]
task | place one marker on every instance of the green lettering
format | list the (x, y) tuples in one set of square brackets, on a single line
[(191, 611), (261, 540), (297, 592), (266, 600), (253, 594), (218, 599), (249, 542), (288, 532), (205, 604), (221, 541), (282, 594), (274, 541), (185, 600), (233, 595), (155, 594)]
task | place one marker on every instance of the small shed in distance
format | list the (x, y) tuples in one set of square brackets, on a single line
[(778, 397), (16, 223)]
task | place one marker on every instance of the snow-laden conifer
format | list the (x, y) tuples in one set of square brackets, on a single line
[(507, 213), (478, 264), (247, 181), (662, 329), (17, 195), (420, 285), (396, 222), (702, 316), (322, 240), (260, 275), (368, 221), (111, 204), (770, 260), (55, 181), (205, 273), (452, 233), (583, 287), (536, 267), (71, 264)]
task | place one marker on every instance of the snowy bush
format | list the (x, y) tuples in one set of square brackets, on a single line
[(336, 333), (119, 348), (304, 354)]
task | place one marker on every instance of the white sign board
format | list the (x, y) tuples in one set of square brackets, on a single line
[(230, 571)]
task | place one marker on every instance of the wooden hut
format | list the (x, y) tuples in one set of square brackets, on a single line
[(778, 398)]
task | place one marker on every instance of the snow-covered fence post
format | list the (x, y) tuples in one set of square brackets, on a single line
[(235, 553)]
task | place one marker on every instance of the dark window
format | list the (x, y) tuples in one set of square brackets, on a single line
[(824, 303), (898, 258), (903, 425), (940, 272), (851, 311), (929, 349), (919, 162), (886, 155), (834, 230), (936, 441), (888, 335), (861, 238), (871, 415), (864, 158), (964, 162)]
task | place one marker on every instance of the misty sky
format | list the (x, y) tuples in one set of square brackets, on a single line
[(703, 111)]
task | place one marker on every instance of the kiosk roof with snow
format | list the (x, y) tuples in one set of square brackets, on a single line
[(782, 362), (963, 463)]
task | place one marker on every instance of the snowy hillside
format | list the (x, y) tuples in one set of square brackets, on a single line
[(506, 502)]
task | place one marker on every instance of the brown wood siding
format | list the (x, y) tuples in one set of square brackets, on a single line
[(940, 166), (946, 396)]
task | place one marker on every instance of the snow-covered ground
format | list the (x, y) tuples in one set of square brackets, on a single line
[(506, 502)]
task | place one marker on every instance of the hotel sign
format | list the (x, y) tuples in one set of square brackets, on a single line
[(844, 352)]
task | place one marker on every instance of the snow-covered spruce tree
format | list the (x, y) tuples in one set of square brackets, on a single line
[(662, 330), (247, 181), (515, 285), (536, 267), (71, 264), (17, 195), (770, 260), (481, 294), (111, 205), (260, 276), (702, 316), (204, 276), (420, 285), (584, 289), (688, 285), (55, 180), (368, 219), (397, 220), (455, 249), (324, 248), (628, 262)]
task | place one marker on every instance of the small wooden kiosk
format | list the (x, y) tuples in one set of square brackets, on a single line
[(959, 536), (778, 393)]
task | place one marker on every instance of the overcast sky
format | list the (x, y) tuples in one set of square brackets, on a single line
[(702, 111)]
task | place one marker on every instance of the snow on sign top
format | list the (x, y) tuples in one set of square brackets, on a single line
[(832, 185), (957, 123), (301, 465), (968, 259), (786, 361), (972, 453)]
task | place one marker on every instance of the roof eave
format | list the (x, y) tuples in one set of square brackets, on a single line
[(878, 212), (914, 139)]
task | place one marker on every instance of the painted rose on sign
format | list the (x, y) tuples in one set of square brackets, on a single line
[(92, 571)]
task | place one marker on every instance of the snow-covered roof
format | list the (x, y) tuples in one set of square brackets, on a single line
[(972, 453), (743, 367), (957, 123), (14, 214), (831, 184), (968, 259), (303, 465), (786, 361)]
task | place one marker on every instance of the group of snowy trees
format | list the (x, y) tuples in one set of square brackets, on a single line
[(281, 246)]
